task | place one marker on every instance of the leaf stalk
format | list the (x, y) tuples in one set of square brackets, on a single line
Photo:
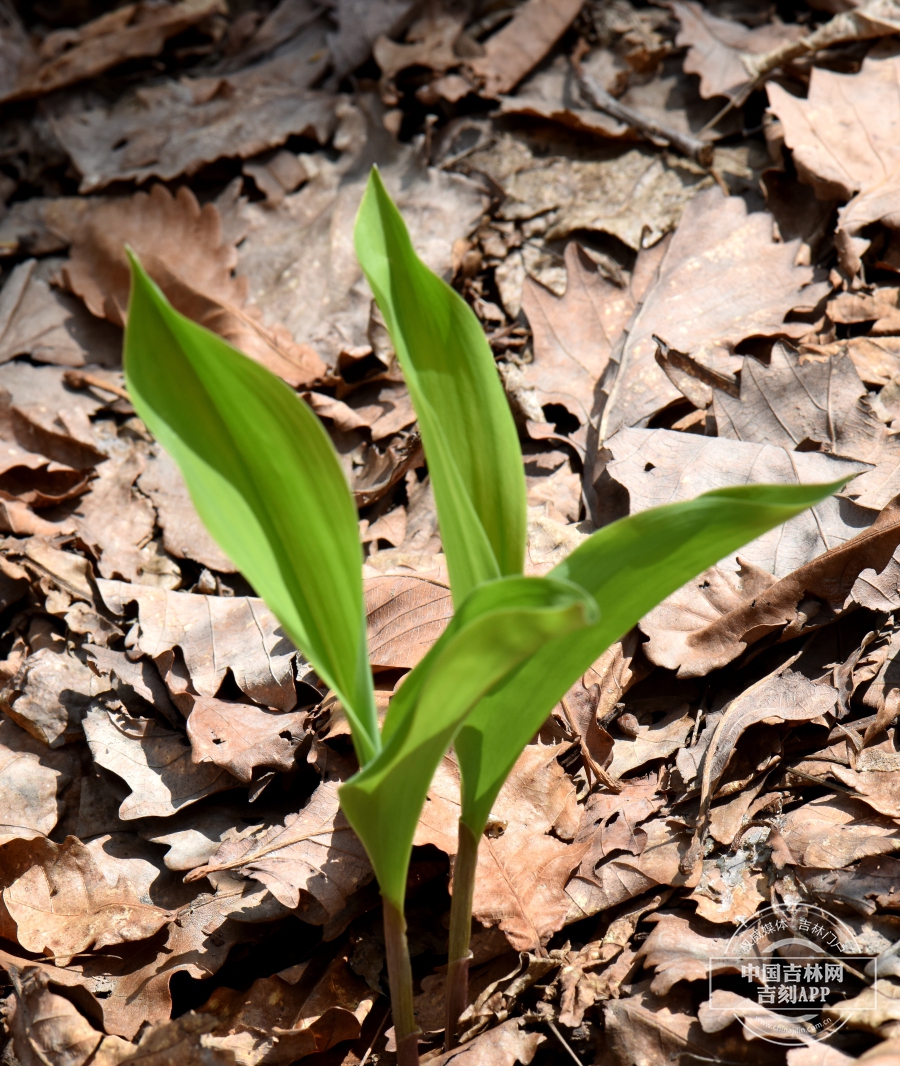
[(400, 984), (458, 953)]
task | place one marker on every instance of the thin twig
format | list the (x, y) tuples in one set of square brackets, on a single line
[(371, 1047), (686, 143), (78, 379), (563, 1041)]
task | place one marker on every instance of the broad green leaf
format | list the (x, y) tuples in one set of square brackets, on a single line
[(497, 628), (267, 483), (468, 432), (628, 567)]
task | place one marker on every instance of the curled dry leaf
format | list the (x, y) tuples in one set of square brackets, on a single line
[(834, 831), (174, 127), (513, 52), (597, 887), (664, 466), (713, 619), (314, 853), (182, 247), (723, 264), (505, 1045), (65, 906), (715, 46), (680, 949), (843, 145), (154, 761), (50, 695), (240, 737), (68, 56), (283, 1018), (48, 1028), (215, 634), (656, 741)]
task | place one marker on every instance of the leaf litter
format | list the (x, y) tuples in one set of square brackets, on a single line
[(178, 884)]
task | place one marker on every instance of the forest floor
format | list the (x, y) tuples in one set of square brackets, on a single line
[(676, 223)]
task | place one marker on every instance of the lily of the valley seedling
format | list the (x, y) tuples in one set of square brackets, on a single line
[(267, 482)]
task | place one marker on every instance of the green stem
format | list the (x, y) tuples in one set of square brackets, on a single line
[(458, 954), (400, 982)]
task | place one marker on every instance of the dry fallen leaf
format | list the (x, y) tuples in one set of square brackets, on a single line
[(240, 737), (69, 56), (46, 1028), (281, 1019), (715, 46), (723, 264), (154, 761), (65, 906), (574, 334), (404, 617), (161, 229), (215, 634), (843, 143), (510, 54), (184, 535), (31, 782), (314, 854), (835, 831), (50, 695), (711, 620), (174, 127), (664, 466)]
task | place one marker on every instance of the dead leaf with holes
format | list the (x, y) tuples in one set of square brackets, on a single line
[(65, 906), (182, 247), (241, 737), (215, 634), (843, 143), (154, 761), (314, 858), (42, 1023)]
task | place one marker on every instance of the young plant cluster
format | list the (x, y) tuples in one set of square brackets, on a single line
[(266, 481)]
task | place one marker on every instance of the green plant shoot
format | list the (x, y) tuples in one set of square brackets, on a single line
[(627, 567), (267, 483)]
